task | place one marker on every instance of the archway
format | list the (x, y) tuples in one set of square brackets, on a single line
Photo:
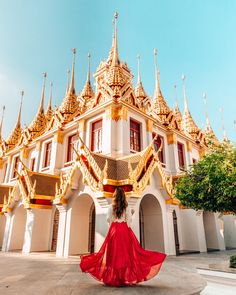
[(210, 229), (151, 224), (2, 228), (55, 230), (18, 229), (82, 226)]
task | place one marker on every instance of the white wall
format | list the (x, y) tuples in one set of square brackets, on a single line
[(41, 230), (18, 229), (189, 235), (79, 225), (230, 231), (2, 228)]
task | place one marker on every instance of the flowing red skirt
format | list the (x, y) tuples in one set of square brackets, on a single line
[(121, 260)]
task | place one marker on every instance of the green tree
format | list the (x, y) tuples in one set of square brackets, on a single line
[(210, 184)]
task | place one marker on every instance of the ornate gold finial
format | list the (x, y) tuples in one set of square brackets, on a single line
[(49, 112), (1, 123), (115, 58), (88, 74), (183, 77), (139, 90), (20, 110), (87, 91), (72, 81), (157, 87), (207, 118), (176, 109), (41, 108), (139, 76), (223, 125)]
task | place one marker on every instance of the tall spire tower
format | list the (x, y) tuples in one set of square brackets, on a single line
[(14, 137), (209, 132), (49, 112), (188, 123), (225, 138), (71, 90), (139, 90), (160, 106), (87, 92), (177, 112)]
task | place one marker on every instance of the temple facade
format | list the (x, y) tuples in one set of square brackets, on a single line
[(58, 174)]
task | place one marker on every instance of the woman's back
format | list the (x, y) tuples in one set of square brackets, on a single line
[(125, 216)]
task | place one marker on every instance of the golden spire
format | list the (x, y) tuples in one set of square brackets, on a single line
[(160, 106), (39, 123), (113, 42), (71, 90), (225, 138), (139, 90), (115, 57), (115, 77), (188, 123), (87, 91), (157, 85), (20, 110), (41, 107), (68, 81), (1, 123), (15, 135), (208, 125), (177, 112), (49, 112)]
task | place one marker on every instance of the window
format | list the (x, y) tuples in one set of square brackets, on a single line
[(96, 142), (72, 140), (47, 154), (157, 144), (15, 166), (32, 164), (135, 142), (180, 147), (194, 161)]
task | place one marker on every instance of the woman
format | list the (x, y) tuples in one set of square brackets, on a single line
[(121, 261)]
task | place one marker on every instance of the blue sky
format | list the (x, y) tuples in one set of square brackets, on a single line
[(196, 38)]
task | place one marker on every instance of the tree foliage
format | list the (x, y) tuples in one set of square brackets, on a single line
[(210, 184)]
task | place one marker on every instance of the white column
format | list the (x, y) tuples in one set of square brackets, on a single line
[(57, 154), (28, 231), (7, 232), (171, 234), (230, 230), (61, 230), (200, 231)]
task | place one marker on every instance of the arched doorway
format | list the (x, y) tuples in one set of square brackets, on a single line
[(209, 222), (151, 224), (18, 229), (82, 226), (175, 225), (55, 230), (2, 228)]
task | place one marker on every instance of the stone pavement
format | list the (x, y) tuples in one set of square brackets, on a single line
[(45, 274)]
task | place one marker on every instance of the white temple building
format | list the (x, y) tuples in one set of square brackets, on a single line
[(58, 174)]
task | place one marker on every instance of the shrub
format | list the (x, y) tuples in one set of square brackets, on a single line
[(233, 261)]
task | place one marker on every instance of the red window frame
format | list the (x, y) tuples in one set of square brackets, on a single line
[(47, 154), (180, 148), (72, 140), (15, 166), (157, 144), (135, 136), (96, 136)]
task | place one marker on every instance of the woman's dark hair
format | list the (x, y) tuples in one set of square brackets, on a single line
[(119, 202)]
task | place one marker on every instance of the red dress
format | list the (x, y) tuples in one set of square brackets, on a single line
[(121, 261)]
